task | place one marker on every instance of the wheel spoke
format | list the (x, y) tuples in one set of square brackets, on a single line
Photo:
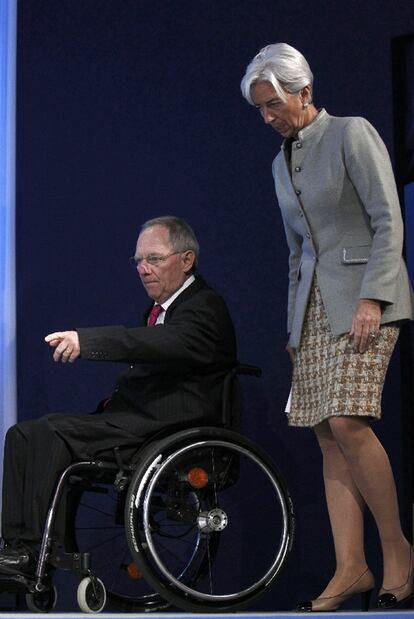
[(213, 468), (97, 510), (97, 522), (236, 538), (210, 570)]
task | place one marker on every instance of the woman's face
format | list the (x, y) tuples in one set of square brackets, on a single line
[(286, 117)]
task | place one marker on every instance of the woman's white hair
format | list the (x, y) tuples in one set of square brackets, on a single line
[(281, 65)]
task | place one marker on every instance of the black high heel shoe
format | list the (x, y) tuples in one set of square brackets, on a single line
[(401, 597), (363, 586)]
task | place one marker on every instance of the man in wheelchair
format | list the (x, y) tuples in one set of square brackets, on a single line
[(175, 376)]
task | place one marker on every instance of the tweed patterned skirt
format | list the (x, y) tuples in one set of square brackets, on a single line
[(329, 378)]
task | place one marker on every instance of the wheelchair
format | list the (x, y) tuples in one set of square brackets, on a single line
[(199, 519)]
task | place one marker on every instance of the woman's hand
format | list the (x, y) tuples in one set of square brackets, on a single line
[(292, 352), (365, 325)]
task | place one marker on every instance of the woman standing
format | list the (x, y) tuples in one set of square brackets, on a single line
[(348, 293)]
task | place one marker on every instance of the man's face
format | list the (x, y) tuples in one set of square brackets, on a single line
[(285, 117), (161, 280)]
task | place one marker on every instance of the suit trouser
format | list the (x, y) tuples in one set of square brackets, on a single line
[(36, 452)]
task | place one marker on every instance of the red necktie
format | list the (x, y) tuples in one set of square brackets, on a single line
[(154, 313)]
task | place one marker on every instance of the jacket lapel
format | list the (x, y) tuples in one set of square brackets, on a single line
[(197, 285), (192, 289)]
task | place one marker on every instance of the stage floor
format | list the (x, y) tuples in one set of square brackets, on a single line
[(172, 615)]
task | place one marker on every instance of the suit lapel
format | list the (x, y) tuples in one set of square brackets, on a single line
[(197, 285), (192, 289)]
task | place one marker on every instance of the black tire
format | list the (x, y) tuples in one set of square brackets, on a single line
[(42, 601), (215, 548)]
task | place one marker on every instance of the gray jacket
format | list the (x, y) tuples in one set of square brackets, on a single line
[(342, 219)]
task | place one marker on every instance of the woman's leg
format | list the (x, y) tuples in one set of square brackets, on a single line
[(370, 469), (345, 507)]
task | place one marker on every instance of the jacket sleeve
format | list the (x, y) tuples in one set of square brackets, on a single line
[(369, 168), (197, 335)]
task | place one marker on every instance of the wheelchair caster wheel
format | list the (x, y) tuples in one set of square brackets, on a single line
[(42, 602), (91, 595)]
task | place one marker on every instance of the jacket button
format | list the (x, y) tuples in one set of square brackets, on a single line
[(298, 144), (300, 214), (298, 169), (308, 235), (298, 192)]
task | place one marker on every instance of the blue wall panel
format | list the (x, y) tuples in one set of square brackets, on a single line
[(129, 109), (7, 215), (409, 227)]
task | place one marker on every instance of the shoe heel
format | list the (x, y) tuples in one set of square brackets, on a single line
[(365, 598)]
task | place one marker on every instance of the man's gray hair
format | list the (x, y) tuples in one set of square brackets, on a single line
[(181, 235), (281, 65)]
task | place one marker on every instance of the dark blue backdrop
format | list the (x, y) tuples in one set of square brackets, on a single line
[(128, 109)]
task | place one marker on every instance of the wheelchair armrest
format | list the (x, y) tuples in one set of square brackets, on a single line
[(240, 369)]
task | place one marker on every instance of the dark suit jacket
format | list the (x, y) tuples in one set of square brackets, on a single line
[(176, 369)]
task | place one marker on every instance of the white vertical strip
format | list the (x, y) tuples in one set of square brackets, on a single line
[(8, 11)]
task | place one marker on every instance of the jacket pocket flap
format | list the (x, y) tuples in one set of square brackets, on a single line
[(356, 255)]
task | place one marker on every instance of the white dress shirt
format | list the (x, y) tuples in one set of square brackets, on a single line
[(167, 303)]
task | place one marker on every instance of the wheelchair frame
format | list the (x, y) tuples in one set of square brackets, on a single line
[(224, 455)]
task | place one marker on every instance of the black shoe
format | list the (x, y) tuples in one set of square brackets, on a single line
[(401, 597), (19, 559), (363, 586)]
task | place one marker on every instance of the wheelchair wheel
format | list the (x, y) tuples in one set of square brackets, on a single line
[(42, 601), (91, 595), (96, 525), (208, 519)]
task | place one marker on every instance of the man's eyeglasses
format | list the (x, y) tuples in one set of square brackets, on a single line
[(153, 259)]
